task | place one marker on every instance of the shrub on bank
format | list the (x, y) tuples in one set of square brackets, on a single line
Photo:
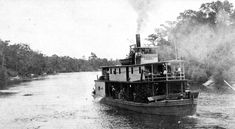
[(3, 78)]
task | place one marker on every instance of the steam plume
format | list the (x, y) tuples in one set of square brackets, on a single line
[(142, 8), (212, 47)]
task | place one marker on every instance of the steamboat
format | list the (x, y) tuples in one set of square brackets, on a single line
[(144, 84)]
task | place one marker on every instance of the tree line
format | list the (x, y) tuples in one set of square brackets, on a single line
[(205, 38), (20, 60)]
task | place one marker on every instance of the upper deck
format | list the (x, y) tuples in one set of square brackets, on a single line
[(157, 71), (142, 64)]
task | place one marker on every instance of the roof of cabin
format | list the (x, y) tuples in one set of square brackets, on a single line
[(146, 47), (161, 62)]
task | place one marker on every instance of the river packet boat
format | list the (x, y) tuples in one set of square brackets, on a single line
[(143, 84)]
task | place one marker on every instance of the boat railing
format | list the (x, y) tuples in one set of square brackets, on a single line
[(171, 96), (168, 76)]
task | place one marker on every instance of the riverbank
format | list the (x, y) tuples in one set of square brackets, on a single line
[(16, 80), (24, 79)]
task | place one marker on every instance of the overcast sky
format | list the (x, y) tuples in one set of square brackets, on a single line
[(78, 27)]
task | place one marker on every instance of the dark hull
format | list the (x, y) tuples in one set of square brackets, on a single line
[(183, 107)]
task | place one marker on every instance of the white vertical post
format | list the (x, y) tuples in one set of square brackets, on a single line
[(180, 70), (166, 71), (183, 71), (152, 72)]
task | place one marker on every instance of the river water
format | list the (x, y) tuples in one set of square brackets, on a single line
[(64, 101)]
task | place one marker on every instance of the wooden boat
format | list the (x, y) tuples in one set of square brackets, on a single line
[(147, 85)]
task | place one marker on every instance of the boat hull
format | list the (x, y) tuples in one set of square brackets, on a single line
[(182, 107)]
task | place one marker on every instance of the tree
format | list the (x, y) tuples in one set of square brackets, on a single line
[(205, 38), (3, 72)]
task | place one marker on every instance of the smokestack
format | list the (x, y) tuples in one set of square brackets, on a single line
[(138, 40)]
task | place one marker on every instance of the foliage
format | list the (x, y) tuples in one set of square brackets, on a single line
[(204, 38), (21, 60)]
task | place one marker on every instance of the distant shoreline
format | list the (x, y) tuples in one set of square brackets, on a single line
[(10, 81)]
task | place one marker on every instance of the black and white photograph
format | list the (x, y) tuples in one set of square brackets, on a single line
[(117, 64)]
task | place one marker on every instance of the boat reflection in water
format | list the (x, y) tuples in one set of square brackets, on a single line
[(146, 85)]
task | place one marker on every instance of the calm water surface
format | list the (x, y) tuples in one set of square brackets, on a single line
[(64, 101)]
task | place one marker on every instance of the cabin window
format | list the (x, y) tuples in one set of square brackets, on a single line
[(131, 70), (111, 71), (114, 72), (139, 69), (119, 70)]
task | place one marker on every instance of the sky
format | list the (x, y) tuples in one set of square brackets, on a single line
[(76, 28)]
